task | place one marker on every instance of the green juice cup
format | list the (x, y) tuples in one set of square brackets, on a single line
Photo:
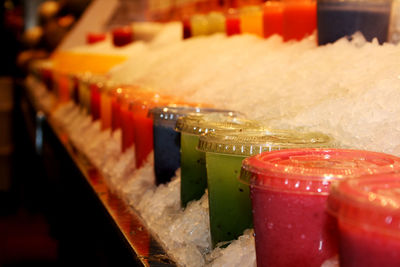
[(193, 168), (229, 200)]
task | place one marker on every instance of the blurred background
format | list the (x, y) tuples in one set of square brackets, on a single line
[(30, 29)]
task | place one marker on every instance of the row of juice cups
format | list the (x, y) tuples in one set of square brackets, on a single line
[(289, 187), (296, 19), (285, 178)]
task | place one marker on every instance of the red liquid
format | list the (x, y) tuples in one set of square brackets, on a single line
[(115, 114), (95, 101), (63, 88), (122, 36), (143, 131), (273, 19), (127, 126), (299, 19), (292, 229), (75, 90), (92, 38), (232, 26), (359, 247)]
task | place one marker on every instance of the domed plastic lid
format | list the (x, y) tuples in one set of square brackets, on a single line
[(372, 202), (311, 170), (172, 113), (254, 141), (200, 123)]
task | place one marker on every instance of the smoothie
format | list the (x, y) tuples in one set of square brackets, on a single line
[(289, 191), (251, 20), (299, 19), (232, 22), (368, 214), (272, 19), (193, 169)]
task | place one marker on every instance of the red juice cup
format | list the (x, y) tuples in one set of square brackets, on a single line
[(299, 19), (130, 94), (94, 37), (368, 215), (143, 124), (273, 18), (64, 85), (232, 22), (95, 97), (122, 36), (289, 191)]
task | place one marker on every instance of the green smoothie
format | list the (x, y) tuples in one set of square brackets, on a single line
[(227, 197), (229, 200), (193, 168)]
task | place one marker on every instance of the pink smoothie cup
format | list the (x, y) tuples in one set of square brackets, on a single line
[(289, 191), (368, 214)]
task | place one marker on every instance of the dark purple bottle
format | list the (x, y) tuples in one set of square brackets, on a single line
[(336, 19)]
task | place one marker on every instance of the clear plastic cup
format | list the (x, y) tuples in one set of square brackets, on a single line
[(193, 169), (273, 18), (199, 25), (143, 124), (368, 214), (337, 19), (167, 158), (251, 20), (229, 200), (299, 19), (289, 191)]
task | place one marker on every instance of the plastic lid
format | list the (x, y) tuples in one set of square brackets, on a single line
[(371, 202), (254, 141), (171, 113), (311, 170), (200, 123)]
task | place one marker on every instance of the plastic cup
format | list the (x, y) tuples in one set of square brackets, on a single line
[(193, 169), (289, 191), (143, 124), (273, 18), (299, 19), (122, 36), (229, 200), (105, 104), (187, 31), (368, 214), (129, 96), (199, 25), (251, 20), (216, 22), (337, 19), (232, 22), (95, 85), (84, 93)]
